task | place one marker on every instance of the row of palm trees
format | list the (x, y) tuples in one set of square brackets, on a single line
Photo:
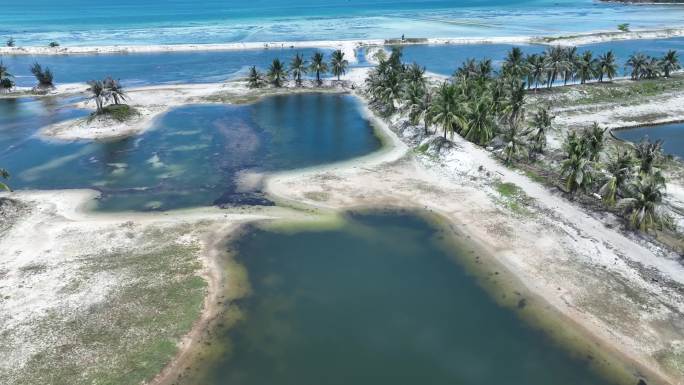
[(277, 72), (567, 64), (44, 77), (103, 91), (481, 106), (630, 179)]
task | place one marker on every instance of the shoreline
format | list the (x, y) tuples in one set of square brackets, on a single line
[(349, 46)]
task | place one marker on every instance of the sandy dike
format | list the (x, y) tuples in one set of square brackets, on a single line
[(625, 295)]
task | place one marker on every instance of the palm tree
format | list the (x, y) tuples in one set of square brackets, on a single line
[(44, 77), (415, 74), (619, 168), (535, 70), (485, 69), (255, 79), (643, 205), (649, 155), (541, 122), (298, 67), (637, 62), (4, 175), (98, 93), (6, 83), (277, 73), (338, 63), (514, 103), (586, 67), (114, 89), (652, 68), (606, 66), (594, 139), (670, 62), (318, 66), (514, 64), (479, 122), (576, 167), (555, 63), (516, 143), (10, 42), (572, 61), (444, 110)]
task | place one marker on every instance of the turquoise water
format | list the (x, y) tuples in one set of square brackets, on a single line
[(444, 59), (81, 22), (671, 134), (377, 301), (193, 154), (151, 68)]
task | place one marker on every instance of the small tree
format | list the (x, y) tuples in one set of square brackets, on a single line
[(624, 27), (6, 83), (276, 73), (44, 76), (318, 66), (10, 42), (255, 79), (643, 208), (670, 62), (97, 93), (576, 168), (53, 44), (298, 68), (338, 64), (4, 175), (114, 90), (620, 169), (594, 139)]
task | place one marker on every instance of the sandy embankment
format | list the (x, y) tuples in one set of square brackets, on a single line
[(349, 46)]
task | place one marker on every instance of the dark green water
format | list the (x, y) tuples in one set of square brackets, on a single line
[(192, 156), (376, 301)]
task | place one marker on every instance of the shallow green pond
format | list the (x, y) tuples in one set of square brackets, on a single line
[(379, 300)]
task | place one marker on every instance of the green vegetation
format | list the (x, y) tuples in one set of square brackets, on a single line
[(623, 27), (44, 76), (318, 65), (338, 64), (4, 174), (277, 73), (109, 89), (10, 42), (6, 82), (298, 67), (255, 79), (513, 197), (53, 44)]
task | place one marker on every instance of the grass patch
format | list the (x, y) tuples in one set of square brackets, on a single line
[(514, 198), (133, 333), (118, 112)]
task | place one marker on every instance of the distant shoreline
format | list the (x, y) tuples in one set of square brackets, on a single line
[(348, 46)]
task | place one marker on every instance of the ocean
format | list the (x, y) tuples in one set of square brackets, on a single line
[(81, 22)]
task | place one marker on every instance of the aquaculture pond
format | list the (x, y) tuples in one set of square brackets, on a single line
[(672, 136), (444, 59), (197, 154), (136, 69), (378, 300)]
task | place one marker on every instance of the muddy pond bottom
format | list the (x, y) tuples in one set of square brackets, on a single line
[(378, 300)]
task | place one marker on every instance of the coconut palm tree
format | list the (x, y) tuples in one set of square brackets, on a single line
[(98, 94), (516, 143), (514, 103), (10, 42), (4, 175), (467, 70), (576, 168), (535, 70), (338, 63), (415, 74), (555, 63), (485, 69), (670, 62), (652, 69), (298, 67), (594, 139), (637, 62), (277, 73), (572, 61), (586, 67), (44, 76), (318, 66), (445, 108), (649, 155), (541, 123), (606, 66), (114, 90), (6, 83), (479, 125), (620, 169), (642, 207), (255, 79), (514, 64)]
